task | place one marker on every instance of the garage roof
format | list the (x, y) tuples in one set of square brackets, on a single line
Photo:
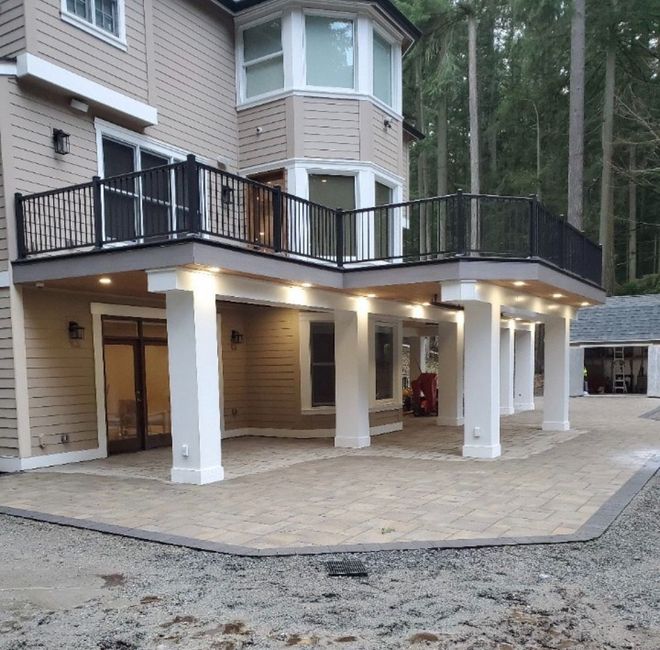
[(622, 319)]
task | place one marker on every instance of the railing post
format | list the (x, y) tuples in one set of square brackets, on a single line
[(339, 234), (460, 219), (20, 225), (277, 218), (192, 182), (533, 225), (97, 208)]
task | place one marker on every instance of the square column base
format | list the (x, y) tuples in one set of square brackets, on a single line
[(524, 406), (482, 451), (197, 476), (448, 421), (507, 410), (353, 443), (556, 426)]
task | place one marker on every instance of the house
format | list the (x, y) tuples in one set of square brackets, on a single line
[(617, 340), (206, 232)]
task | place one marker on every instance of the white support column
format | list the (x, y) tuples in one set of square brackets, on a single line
[(482, 380), (417, 360), (506, 369), (192, 336), (653, 371), (523, 374), (556, 379), (577, 372), (450, 373), (352, 379)]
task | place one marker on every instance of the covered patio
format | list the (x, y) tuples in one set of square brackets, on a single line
[(408, 489)]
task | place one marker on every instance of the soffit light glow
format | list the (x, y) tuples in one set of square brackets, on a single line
[(557, 295), (370, 295), (105, 281), (214, 269), (584, 304), (519, 283), (426, 304), (306, 285)]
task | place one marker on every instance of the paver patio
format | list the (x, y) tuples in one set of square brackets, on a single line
[(409, 487)]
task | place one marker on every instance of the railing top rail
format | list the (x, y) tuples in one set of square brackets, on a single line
[(142, 172), (402, 204), (59, 190)]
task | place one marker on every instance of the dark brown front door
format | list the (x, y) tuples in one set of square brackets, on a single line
[(137, 391)]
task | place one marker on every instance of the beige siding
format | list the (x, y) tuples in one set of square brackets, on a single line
[(12, 28), (331, 128), (195, 79), (406, 170), (8, 427), (4, 255), (36, 166), (269, 145), (83, 53), (387, 142)]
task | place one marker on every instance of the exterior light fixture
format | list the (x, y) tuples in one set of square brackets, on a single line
[(519, 283), (227, 195), (236, 338), (105, 281), (306, 285), (370, 295), (214, 269), (76, 332), (557, 295), (585, 304), (61, 142)]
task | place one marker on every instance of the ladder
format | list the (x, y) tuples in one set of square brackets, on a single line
[(618, 372)]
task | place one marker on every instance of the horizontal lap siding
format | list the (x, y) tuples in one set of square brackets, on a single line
[(74, 49), (8, 423), (4, 256), (331, 128), (388, 142), (237, 395), (34, 115), (195, 78), (271, 144), (12, 28)]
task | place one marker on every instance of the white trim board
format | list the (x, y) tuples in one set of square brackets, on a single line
[(29, 66), (50, 460)]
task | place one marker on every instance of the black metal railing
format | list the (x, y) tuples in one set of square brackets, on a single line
[(192, 199)]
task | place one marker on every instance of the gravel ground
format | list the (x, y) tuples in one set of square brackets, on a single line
[(64, 588)]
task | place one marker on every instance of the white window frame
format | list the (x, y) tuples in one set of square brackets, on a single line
[(118, 40), (395, 78), (241, 76), (397, 389), (306, 318), (339, 15)]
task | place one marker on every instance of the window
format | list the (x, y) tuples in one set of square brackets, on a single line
[(384, 361), (332, 191), (322, 362), (263, 59), (329, 44), (383, 69), (382, 221), (102, 14), (136, 206)]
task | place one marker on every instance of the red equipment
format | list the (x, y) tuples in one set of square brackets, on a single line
[(425, 394)]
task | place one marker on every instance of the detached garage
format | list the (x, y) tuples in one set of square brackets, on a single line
[(618, 344)]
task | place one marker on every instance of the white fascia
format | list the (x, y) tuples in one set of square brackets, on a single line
[(7, 69), (29, 66)]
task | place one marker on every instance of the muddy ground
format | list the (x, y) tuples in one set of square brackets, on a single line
[(62, 588)]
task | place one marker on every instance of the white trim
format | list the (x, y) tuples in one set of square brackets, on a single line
[(394, 402), (7, 69), (116, 41), (305, 360), (49, 460), (98, 310), (29, 66), (4, 279)]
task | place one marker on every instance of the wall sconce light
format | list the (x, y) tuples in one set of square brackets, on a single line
[(76, 332), (387, 123), (236, 338), (227, 195), (61, 142)]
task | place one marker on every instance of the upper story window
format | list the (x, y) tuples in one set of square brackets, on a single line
[(330, 52), (383, 69), (103, 18), (263, 58)]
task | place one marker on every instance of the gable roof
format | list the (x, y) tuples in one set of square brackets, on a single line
[(387, 6), (622, 319)]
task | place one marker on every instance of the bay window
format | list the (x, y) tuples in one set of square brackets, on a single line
[(383, 69), (330, 52), (263, 58)]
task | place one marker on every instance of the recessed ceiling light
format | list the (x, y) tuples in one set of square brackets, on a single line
[(584, 304), (214, 269), (519, 283), (105, 281), (307, 285), (426, 304), (518, 318), (557, 295)]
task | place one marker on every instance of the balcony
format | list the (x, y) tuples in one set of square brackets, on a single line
[(191, 201)]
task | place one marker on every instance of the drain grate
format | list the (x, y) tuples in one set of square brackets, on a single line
[(346, 568)]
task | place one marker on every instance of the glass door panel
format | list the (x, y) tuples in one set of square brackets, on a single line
[(156, 196), (121, 397), (157, 394), (119, 195)]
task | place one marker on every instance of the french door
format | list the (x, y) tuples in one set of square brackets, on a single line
[(137, 390)]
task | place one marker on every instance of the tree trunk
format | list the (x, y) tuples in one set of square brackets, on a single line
[(576, 118), (475, 183), (632, 216), (443, 165), (606, 207)]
